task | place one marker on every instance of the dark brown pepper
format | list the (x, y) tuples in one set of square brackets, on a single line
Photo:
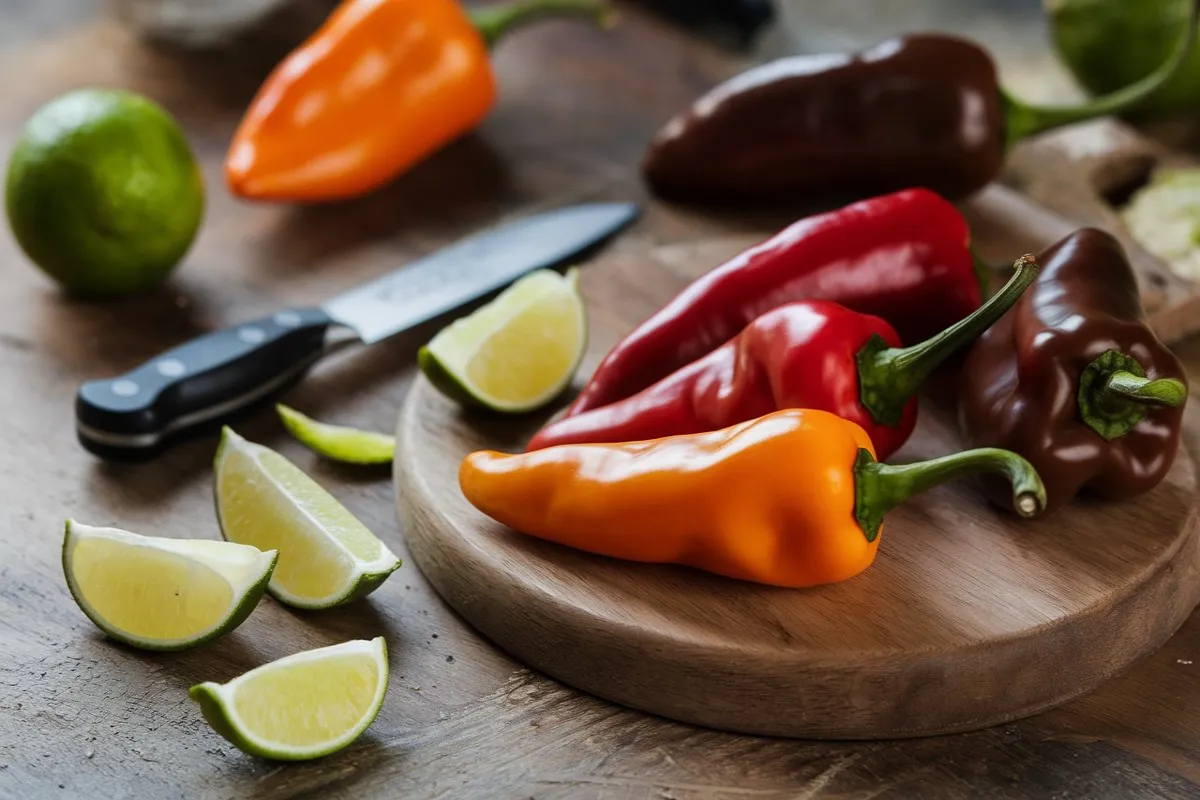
[(922, 110), (1081, 321), (919, 110)]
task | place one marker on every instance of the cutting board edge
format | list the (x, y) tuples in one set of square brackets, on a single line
[(488, 598)]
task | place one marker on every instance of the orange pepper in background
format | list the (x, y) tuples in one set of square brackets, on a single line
[(378, 88), (794, 498)]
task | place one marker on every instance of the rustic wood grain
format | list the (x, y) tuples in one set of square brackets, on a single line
[(81, 717)]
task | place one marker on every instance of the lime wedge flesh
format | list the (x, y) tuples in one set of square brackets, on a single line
[(304, 706), (1164, 217), (162, 594), (518, 352), (326, 556), (336, 442)]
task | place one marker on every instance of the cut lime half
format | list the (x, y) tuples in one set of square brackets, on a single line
[(162, 594), (303, 706), (337, 442), (326, 556), (518, 352)]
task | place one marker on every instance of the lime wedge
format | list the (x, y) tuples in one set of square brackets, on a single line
[(326, 556), (518, 352), (303, 706), (162, 594), (1164, 218), (348, 445)]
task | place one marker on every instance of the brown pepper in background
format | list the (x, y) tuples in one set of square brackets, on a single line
[(1074, 380), (921, 110), (892, 117)]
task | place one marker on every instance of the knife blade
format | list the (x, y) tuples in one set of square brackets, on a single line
[(203, 381)]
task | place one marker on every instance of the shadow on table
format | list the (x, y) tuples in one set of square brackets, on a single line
[(220, 660), (462, 187), (95, 338), (332, 776), (360, 619)]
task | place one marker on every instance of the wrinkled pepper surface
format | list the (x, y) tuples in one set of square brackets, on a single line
[(809, 354), (795, 498), (902, 256), (1074, 380), (378, 88), (918, 110)]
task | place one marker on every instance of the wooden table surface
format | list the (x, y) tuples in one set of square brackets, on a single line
[(83, 717)]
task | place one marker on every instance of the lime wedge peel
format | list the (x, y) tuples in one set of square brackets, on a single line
[(303, 706), (162, 594), (518, 352), (337, 442), (326, 556)]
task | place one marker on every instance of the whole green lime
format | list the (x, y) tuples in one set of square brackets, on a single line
[(103, 192), (1109, 44)]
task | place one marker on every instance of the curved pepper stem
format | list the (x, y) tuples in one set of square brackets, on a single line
[(1115, 394), (1162, 392), (1024, 120), (889, 376), (494, 22), (878, 488)]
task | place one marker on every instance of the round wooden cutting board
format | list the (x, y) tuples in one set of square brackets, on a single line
[(969, 617)]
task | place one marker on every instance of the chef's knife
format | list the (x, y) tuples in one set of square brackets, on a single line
[(209, 378)]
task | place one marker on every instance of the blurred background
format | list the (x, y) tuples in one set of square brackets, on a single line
[(1014, 29)]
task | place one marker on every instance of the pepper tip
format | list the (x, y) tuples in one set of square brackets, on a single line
[(239, 162), (1028, 505)]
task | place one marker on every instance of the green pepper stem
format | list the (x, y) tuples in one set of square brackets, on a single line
[(1115, 394), (878, 488), (494, 22), (1023, 120), (1162, 392), (888, 377)]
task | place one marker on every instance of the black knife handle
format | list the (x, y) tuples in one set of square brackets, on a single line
[(130, 416)]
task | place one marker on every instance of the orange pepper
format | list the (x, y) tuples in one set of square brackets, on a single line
[(794, 498), (378, 88)]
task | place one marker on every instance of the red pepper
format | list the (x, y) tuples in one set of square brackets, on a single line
[(811, 354), (903, 257)]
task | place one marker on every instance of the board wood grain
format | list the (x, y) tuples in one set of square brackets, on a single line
[(968, 618)]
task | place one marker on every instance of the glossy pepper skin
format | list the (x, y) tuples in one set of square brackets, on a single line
[(1040, 382), (794, 498), (924, 109), (903, 257), (894, 116), (809, 354), (378, 88)]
